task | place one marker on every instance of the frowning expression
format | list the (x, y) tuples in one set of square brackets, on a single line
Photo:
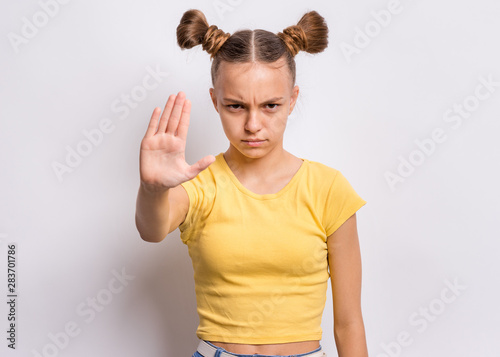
[(254, 101)]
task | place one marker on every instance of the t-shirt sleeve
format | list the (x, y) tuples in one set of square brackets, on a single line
[(342, 202), (193, 202), (201, 193)]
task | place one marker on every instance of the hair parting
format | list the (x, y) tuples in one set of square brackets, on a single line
[(310, 35)]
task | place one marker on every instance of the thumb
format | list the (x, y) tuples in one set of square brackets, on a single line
[(202, 164)]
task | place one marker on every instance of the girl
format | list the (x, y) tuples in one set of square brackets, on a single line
[(265, 229)]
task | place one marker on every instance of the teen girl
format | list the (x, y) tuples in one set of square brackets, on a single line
[(265, 229)]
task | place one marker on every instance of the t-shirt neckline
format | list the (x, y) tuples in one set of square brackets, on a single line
[(265, 196)]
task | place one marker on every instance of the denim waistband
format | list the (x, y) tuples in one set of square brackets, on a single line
[(208, 349)]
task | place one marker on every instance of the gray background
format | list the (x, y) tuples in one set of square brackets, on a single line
[(360, 113)]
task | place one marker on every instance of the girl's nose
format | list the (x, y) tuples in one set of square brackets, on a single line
[(253, 122)]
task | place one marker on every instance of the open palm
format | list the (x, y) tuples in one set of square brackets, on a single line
[(162, 157)]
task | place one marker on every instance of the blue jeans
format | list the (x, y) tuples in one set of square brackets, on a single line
[(198, 354)]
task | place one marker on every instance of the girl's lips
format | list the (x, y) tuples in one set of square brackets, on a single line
[(254, 143)]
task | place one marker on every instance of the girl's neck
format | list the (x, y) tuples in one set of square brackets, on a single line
[(251, 167)]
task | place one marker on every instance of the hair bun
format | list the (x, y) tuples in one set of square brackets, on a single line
[(214, 39), (295, 39), (310, 34), (194, 30)]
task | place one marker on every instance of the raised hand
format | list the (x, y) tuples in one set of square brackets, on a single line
[(162, 157)]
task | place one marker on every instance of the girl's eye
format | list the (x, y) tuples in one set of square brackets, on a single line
[(271, 106)]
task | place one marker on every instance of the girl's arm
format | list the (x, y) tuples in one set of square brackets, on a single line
[(159, 213), (344, 259), (162, 203)]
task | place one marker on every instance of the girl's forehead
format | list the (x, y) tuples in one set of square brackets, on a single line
[(277, 66), (273, 74), (258, 89)]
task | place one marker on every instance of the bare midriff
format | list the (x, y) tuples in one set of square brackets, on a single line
[(281, 349)]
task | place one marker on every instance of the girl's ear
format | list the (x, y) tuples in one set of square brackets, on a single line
[(214, 98), (293, 99)]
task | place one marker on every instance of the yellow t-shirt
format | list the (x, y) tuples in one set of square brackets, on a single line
[(260, 261)]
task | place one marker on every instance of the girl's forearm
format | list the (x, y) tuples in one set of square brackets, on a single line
[(151, 215), (351, 340)]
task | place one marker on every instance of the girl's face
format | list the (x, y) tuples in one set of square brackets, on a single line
[(254, 101)]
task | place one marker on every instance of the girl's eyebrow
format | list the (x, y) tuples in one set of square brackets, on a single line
[(275, 99)]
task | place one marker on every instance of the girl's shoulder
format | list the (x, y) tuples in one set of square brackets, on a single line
[(321, 168)]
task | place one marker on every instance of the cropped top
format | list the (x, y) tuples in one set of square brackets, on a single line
[(260, 261)]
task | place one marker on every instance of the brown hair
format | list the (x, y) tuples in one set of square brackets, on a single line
[(309, 35)]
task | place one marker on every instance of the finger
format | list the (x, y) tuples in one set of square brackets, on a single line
[(166, 113), (182, 128), (153, 123), (173, 120)]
